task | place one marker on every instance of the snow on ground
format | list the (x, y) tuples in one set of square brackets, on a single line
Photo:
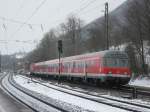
[(80, 102), (135, 101), (37, 105), (141, 81)]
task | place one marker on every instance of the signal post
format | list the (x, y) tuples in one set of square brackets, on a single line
[(60, 51)]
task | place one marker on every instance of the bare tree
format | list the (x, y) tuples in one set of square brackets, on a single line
[(137, 25), (71, 33), (130, 50), (97, 40), (47, 47), (46, 50)]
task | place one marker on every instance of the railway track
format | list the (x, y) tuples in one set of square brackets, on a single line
[(126, 105), (130, 92), (12, 95), (136, 90), (110, 98), (127, 91), (46, 107)]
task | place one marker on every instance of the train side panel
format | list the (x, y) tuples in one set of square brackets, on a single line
[(89, 66)]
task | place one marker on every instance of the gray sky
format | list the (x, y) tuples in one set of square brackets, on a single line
[(50, 15)]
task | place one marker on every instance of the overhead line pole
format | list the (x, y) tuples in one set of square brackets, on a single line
[(106, 26), (0, 63)]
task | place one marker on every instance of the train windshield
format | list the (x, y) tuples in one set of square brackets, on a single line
[(116, 62)]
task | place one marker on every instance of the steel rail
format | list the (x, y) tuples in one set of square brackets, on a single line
[(16, 98), (25, 92)]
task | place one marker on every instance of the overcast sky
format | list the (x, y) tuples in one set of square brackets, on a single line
[(50, 15)]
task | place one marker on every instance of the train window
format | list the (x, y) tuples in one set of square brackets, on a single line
[(74, 65), (78, 64), (68, 65), (115, 62), (90, 63), (87, 63), (123, 62), (82, 64)]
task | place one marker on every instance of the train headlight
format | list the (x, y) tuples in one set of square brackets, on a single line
[(109, 72)]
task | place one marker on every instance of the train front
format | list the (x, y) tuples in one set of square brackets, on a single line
[(116, 67)]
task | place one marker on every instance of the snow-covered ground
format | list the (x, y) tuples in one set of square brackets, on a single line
[(141, 81), (64, 97), (70, 99), (37, 105)]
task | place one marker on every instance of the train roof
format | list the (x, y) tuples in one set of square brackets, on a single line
[(106, 53)]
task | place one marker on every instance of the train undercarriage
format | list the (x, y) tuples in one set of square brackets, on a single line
[(100, 80)]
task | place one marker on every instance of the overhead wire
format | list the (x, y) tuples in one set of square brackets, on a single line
[(89, 10), (86, 5), (4, 26), (41, 25), (81, 8), (22, 41), (17, 21), (83, 4), (22, 25), (5, 36), (20, 7), (82, 1), (78, 11)]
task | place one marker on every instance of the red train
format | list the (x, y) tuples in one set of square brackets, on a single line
[(105, 66)]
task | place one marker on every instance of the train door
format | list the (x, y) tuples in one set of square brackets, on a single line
[(69, 67)]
